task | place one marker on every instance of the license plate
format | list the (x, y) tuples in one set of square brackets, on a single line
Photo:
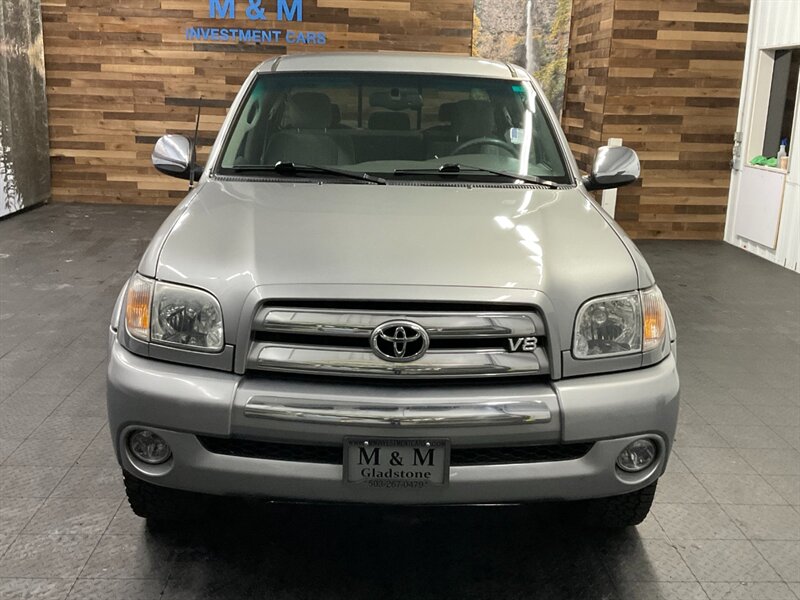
[(396, 463)]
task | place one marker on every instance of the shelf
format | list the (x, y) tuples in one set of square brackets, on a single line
[(770, 169)]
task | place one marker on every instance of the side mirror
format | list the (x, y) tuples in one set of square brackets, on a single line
[(613, 168), (173, 155)]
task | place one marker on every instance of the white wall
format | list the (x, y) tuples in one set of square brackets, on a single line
[(773, 25)]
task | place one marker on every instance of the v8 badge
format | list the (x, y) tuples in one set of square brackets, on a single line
[(523, 344)]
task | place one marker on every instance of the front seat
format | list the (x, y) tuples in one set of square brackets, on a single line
[(305, 137), (473, 119)]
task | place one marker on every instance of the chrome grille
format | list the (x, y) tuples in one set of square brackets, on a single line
[(321, 341)]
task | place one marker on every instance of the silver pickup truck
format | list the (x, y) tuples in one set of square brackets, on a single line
[(390, 284)]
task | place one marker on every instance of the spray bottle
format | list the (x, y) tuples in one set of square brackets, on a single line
[(783, 159)]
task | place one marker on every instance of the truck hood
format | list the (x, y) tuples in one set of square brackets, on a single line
[(233, 236)]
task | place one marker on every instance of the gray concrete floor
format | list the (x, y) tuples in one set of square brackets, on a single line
[(726, 524)]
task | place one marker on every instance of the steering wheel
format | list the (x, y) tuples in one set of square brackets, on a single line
[(487, 141)]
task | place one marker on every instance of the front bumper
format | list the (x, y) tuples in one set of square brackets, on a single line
[(181, 403)]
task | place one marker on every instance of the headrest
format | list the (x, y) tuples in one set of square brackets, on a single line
[(336, 114), (392, 121), (309, 110), (447, 112), (473, 119)]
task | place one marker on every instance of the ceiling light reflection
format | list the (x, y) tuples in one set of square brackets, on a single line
[(504, 222)]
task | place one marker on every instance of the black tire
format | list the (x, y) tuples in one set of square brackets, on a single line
[(160, 505), (618, 512)]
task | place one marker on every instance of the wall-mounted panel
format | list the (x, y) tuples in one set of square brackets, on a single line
[(534, 34), (758, 215), (120, 74), (24, 165)]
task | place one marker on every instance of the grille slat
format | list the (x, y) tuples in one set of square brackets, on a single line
[(333, 455), (436, 364), (337, 322)]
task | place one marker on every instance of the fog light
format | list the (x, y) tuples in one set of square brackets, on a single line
[(149, 447), (637, 456)]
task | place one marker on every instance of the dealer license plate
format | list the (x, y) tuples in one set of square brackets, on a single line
[(396, 463)]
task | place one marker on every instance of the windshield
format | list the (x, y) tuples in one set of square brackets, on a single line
[(395, 125)]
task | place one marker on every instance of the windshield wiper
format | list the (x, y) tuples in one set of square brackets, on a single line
[(459, 169), (290, 168)]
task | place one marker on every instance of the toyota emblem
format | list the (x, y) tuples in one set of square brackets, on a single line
[(399, 341)]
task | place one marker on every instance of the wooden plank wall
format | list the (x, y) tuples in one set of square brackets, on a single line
[(587, 77), (121, 73), (672, 93)]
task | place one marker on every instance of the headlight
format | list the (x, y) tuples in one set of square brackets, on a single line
[(173, 315), (609, 326), (186, 317), (619, 325)]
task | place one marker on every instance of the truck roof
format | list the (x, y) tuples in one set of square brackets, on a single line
[(393, 62)]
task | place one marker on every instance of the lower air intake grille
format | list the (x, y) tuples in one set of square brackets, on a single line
[(332, 455), (329, 455), (509, 455)]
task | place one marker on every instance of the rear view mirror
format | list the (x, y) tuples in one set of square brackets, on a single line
[(173, 155), (613, 167)]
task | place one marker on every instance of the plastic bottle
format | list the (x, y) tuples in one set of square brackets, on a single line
[(783, 159)]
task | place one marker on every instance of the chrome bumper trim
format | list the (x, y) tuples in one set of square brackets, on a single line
[(500, 413), (314, 360)]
